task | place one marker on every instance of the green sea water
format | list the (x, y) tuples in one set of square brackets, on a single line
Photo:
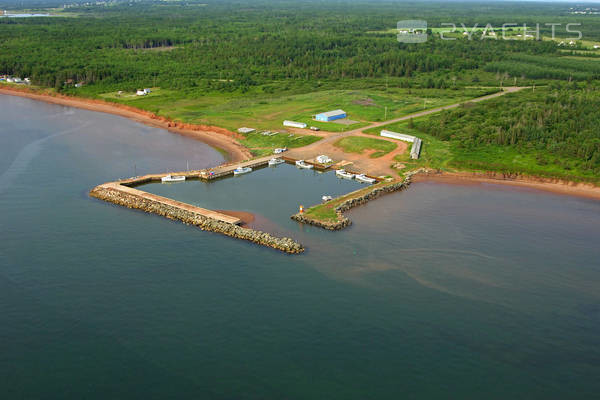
[(440, 291)]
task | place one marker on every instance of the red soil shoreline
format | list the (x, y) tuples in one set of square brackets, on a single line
[(227, 140), (556, 186), (211, 135)]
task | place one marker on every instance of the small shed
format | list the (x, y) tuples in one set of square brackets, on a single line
[(323, 159), (141, 93), (244, 131), (331, 115), (294, 124)]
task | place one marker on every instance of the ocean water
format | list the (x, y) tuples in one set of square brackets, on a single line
[(440, 291)]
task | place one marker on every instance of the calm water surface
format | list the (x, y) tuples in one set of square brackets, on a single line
[(437, 292)]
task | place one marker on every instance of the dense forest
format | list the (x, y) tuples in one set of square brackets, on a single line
[(229, 46)]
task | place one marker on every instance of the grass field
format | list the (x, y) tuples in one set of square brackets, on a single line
[(268, 111), (357, 144), (326, 212), (262, 145)]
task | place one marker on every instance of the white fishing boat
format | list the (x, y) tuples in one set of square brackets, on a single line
[(242, 170), (275, 161), (326, 198), (364, 179), (341, 173), (172, 178), (302, 164)]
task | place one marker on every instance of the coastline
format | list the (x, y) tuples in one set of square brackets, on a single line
[(226, 142), (221, 139), (556, 186)]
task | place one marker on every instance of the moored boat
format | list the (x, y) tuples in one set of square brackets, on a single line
[(341, 173), (172, 178), (242, 170), (326, 198), (275, 161), (364, 179), (302, 164)]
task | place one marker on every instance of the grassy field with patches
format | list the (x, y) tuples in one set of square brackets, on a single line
[(357, 144), (326, 211), (261, 144), (268, 111)]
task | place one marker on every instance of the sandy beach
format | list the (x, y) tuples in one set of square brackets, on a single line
[(214, 136)]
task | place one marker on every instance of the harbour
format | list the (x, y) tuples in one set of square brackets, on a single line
[(123, 193)]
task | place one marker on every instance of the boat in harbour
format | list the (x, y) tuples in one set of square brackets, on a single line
[(341, 173), (364, 179), (302, 164), (242, 170), (275, 161), (172, 178), (326, 198)]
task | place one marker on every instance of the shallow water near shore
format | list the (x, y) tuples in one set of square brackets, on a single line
[(441, 290)]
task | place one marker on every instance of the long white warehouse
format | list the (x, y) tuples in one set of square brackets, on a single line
[(416, 147), (294, 124), (399, 136)]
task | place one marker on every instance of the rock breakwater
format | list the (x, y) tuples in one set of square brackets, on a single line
[(149, 205), (353, 201)]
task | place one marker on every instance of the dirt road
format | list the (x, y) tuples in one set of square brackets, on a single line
[(381, 165)]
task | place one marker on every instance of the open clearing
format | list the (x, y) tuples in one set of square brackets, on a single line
[(357, 144), (261, 110)]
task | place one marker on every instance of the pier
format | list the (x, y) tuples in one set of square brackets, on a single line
[(116, 186), (124, 193)]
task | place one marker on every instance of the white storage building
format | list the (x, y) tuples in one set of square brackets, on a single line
[(416, 147), (244, 131), (294, 124)]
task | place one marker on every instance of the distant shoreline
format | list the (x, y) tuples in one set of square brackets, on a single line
[(221, 139), (557, 186)]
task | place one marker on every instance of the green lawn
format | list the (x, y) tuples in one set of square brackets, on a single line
[(323, 212), (356, 144), (262, 145)]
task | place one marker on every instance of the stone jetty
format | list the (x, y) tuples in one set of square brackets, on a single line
[(122, 194), (354, 199)]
